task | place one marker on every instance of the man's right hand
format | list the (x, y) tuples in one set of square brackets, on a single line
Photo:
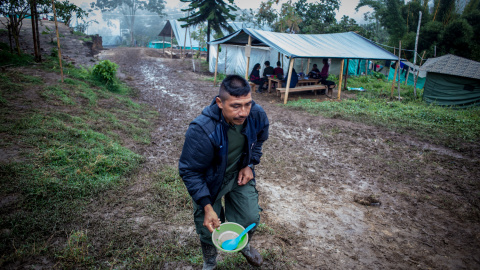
[(211, 220)]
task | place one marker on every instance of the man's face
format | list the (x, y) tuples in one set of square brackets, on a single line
[(235, 109)]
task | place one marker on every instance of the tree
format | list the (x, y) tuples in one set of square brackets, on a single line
[(290, 19), (66, 10), (129, 9), (316, 17), (15, 11), (215, 12), (457, 38)]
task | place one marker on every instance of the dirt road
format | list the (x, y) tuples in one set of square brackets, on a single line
[(314, 176)]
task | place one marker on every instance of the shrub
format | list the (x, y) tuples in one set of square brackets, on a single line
[(105, 71)]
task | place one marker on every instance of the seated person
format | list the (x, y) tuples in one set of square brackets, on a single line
[(278, 71), (255, 78), (324, 76), (268, 70), (293, 80), (315, 73)]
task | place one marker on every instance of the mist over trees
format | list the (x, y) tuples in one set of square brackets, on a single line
[(444, 27), (129, 10)]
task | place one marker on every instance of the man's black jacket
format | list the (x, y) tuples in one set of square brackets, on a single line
[(204, 160)]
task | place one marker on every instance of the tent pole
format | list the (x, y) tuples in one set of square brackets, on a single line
[(346, 74), (418, 72), (408, 72), (216, 65), (399, 55), (340, 79), (303, 71), (282, 60), (163, 45), (308, 64), (394, 77), (292, 60), (171, 42), (366, 67), (278, 56), (248, 57)]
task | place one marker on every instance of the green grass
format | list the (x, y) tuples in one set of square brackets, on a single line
[(220, 77), (445, 125), (67, 150)]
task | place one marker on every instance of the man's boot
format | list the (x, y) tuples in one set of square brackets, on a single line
[(209, 256), (253, 257)]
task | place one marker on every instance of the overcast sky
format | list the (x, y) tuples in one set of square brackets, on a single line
[(347, 7)]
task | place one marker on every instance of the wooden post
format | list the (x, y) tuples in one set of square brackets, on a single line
[(308, 65), (171, 41), (185, 44), (340, 79), (366, 67), (416, 77), (163, 45), (282, 59), (394, 77), (58, 39), (346, 74), (225, 60), (248, 48), (216, 65), (289, 79), (303, 71), (399, 54), (278, 58)]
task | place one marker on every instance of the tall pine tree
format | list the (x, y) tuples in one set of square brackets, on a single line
[(215, 12)]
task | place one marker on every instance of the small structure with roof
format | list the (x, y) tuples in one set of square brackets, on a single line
[(452, 81), (304, 47)]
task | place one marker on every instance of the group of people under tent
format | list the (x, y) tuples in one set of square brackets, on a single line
[(262, 82)]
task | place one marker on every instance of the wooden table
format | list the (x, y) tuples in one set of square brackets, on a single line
[(301, 82)]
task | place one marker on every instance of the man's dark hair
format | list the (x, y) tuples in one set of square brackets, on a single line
[(314, 65), (279, 64), (233, 85), (267, 63)]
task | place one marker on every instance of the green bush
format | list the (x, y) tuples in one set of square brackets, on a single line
[(105, 71)]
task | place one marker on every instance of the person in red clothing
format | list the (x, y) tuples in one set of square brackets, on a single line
[(278, 71), (324, 76)]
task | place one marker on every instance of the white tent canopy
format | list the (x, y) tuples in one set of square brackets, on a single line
[(340, 45)]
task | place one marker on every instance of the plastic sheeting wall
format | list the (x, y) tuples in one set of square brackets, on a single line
[(237, 61)]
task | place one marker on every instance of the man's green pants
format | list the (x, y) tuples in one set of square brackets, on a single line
[(241, 206)]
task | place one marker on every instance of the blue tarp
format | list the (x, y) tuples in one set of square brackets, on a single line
[(340, 45)]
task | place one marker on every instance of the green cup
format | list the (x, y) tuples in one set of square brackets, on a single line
[(227, 231)]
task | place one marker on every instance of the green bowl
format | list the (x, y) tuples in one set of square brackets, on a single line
[(227, 231)]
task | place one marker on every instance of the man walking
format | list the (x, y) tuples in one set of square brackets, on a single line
[(221, 148)]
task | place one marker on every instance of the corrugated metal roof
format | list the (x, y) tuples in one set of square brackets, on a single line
[(453, 65), (340, 45)]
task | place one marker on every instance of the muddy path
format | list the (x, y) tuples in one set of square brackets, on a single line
[(314, 176)]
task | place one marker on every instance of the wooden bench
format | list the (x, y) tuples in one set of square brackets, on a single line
[(314, 88)]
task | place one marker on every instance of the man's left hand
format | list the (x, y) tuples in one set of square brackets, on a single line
[(244, 176)]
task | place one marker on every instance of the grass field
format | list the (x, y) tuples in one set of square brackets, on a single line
[(444, 125), (66, 144)]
